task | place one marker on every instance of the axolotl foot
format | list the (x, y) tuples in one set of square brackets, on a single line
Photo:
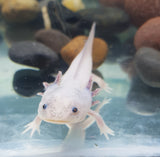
[(104, 129), (95, 116), (34, 126)]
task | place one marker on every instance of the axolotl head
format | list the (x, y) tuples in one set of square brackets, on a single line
[(64, 105)]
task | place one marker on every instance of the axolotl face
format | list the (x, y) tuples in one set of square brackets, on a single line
[(64, 105)]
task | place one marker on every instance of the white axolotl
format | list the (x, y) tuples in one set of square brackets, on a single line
[(68, 100)]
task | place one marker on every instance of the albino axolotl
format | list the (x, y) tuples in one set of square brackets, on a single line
[(68, 100)]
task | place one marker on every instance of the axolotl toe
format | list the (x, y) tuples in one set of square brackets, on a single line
[(68, 100)]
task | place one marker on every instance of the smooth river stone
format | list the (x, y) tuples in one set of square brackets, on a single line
[(108, 20), (52, 38), (147, 66), (27, 82), (20, 11), (148, 35), (71, 50), (141, 10), (33, 54)]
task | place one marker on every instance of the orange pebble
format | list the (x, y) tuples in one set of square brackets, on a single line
[(100, 49)]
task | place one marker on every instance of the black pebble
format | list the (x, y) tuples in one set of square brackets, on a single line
[(33, 54), (28, 82)]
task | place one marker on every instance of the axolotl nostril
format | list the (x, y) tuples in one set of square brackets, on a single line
[(68, 100)]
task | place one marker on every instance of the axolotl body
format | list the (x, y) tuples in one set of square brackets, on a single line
[(68, 100)]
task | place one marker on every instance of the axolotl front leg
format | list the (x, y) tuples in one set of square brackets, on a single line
[(104, 129), (34, 126), (95, 116)]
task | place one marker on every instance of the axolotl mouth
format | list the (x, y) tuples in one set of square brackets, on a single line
[(56, 121)]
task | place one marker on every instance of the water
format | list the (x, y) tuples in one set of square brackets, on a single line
[(136, 133)]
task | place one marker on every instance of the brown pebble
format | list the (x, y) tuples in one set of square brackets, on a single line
[(20, 11), (142, 10), (54, 39), (1, 2), (70, 51), (148, 34)]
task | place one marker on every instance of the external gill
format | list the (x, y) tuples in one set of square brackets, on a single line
[(90, 84), (101, 83), (57, 81), (34, 126), (96, 92), (58, 78), (95, 102)]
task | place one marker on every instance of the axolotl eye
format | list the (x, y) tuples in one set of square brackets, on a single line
[(44, 106), (74, 109)]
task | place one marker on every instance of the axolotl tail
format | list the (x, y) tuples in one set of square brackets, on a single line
[(81, 67)]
